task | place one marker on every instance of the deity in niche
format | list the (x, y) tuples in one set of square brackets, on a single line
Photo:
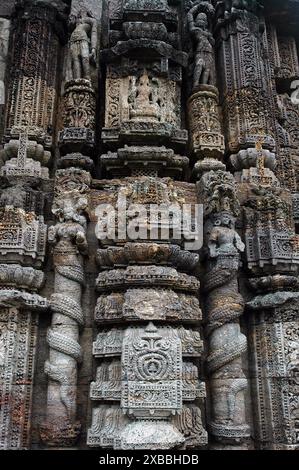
[(144, 104), (82, 46), (204, 59)]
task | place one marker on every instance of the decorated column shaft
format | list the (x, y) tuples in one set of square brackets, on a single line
[(147, 311), (29, 121), (61, 427), (224, 306)]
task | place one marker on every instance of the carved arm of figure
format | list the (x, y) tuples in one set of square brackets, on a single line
[(93, 38), (52, 234), (191, 18), (238, 243), (213, 244), (81, 242)]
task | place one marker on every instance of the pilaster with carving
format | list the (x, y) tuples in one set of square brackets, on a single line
[(22, 252), (37, 35), (68, 236), (148, 295), (78, 101), (224, 305), (271, 253)]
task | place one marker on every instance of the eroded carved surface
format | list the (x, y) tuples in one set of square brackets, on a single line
[(137, 104)]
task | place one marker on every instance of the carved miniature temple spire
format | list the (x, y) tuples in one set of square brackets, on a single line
[(146, 287), (260, 155)]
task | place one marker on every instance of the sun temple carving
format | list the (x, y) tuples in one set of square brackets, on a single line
[(149, 214)]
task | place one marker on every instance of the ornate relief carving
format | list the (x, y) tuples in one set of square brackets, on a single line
[(207, 139), (18, 332), (22, 235), (277, 336), (148, 358), (223, 306), (69, 236), (142, 104), (147, 304)]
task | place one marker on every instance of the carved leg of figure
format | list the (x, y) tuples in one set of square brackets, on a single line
[(76, 65), (206, 77), (226, 346), (86, 68), (61, 428), (198, 70), (85, 61)]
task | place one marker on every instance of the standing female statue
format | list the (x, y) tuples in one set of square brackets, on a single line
[(82, 46), (204, 59)]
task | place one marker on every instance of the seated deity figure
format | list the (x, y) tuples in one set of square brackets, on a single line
[(82, 46)]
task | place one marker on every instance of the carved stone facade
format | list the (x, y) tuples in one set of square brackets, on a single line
[(119, 329)]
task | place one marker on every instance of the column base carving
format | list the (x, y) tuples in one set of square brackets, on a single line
[(60, 435), (152, 435)]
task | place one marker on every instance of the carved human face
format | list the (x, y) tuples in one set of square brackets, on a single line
[(201, 21), (226, 221)]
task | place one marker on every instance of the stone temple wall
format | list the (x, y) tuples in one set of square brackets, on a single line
[(120, 328)]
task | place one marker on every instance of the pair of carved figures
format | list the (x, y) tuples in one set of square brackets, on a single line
[(82, 46)]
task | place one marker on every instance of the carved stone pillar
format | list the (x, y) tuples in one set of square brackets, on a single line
[(282, 68), (273, 349), (272, 257), (32, 91), (206, 138), (244, 92), (4, 42), (147, 290), (149, 369), (22, 251), (227, 421), (61, 427)]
